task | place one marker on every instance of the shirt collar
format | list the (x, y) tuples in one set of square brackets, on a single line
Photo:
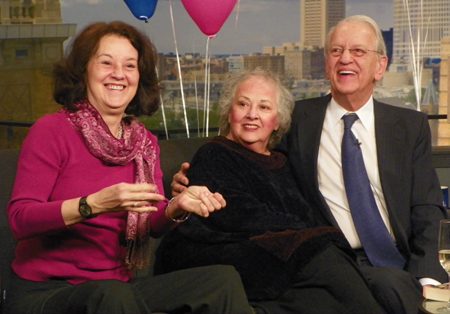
[(365, 113)]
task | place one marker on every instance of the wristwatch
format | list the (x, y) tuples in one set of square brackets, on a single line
[(84, 209)]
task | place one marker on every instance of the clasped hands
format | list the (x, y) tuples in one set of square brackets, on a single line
[(142, 197)]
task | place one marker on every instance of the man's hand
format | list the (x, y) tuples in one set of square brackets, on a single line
[(195, 199), (180, 181)]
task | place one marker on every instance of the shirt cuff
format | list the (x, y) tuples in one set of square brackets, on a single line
[(429, 281)]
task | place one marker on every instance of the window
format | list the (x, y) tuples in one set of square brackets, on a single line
[(21, 53), (26, 66)]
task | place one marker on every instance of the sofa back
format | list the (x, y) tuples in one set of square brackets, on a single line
[(8, 162), (173, 154)]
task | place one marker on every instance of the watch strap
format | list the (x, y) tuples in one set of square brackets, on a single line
[(84, 209)]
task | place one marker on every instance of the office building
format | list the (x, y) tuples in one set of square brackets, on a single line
[(271, 63), (316, 18), (31, 40), (427, 20)]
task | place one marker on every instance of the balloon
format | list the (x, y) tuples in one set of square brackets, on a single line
[(209, 15), (142, 9)]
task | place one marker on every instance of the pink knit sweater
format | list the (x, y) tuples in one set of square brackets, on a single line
[(55, 165)]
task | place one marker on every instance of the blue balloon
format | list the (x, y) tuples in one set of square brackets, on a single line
[(142, 9)]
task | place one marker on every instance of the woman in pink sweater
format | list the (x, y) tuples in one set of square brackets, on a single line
[(88, 194)]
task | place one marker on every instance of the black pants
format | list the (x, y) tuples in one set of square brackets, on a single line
[(397, 290), (211, 289), (330, 283)]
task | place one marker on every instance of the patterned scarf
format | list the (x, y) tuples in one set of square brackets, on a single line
[(134, 146)]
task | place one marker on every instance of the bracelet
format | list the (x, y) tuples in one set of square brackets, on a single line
[(183, 217)]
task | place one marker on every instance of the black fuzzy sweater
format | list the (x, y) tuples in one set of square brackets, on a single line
[(267, 230)]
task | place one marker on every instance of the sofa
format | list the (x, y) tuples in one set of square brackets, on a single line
[(173, 154)]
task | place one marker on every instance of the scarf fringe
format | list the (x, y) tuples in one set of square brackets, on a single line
[(139, 253)]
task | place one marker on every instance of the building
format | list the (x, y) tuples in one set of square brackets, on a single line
[(304, 60), (427, 20), (235, 63), (305, 64), (316, 18), (271, 63), (281, 50), (300, 63), (388, 37), (297, 64), (31, 40)]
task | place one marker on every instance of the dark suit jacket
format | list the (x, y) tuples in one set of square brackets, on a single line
[(410, 184)]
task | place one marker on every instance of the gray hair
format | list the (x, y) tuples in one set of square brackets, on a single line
[(285, 101), (380, 46)]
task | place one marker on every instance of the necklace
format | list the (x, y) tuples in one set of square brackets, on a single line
[(120, 133)]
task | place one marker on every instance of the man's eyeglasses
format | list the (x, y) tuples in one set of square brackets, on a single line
[(355, 52)]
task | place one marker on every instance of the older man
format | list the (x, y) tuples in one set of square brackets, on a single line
[(396, 148)]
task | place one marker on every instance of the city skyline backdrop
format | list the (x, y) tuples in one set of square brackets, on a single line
[(259, 23)]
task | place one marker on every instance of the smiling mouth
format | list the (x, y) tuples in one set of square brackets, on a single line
[(250, 126), (115, 87), (347, 73)]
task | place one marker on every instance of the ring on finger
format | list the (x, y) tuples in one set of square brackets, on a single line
[(136, 204)]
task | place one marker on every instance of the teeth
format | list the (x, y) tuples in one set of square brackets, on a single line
[(251, 126), (115, 87), (347, 72)]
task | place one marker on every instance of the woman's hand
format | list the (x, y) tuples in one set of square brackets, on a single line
[(139, 197), (195, 199)]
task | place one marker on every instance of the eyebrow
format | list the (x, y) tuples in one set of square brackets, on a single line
[(262, 100), (353, 46), (108, 55)]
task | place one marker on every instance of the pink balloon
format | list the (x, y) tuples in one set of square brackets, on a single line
[(209, 15)]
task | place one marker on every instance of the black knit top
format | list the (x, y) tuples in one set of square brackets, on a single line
[(266, 230)]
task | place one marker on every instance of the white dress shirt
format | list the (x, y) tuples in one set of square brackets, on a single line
[(331, 181)]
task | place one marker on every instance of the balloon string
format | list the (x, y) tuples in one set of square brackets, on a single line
[(195, 91), (204, 91), (179, 70), (233, 41), (207, 87), (162, 106), (144, 18), (161, 96)]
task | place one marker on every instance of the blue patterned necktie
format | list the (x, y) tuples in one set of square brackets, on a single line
[(373, 233)]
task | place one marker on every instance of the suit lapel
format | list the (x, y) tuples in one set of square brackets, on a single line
[(390, 147), (310, 121), (308, 133), (390, 138)]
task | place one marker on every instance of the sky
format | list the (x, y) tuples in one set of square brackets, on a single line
[(252, 25)]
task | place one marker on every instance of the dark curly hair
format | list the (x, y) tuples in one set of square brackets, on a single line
[(70, 74)]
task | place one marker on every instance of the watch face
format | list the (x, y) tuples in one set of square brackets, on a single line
[(85, 210)]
